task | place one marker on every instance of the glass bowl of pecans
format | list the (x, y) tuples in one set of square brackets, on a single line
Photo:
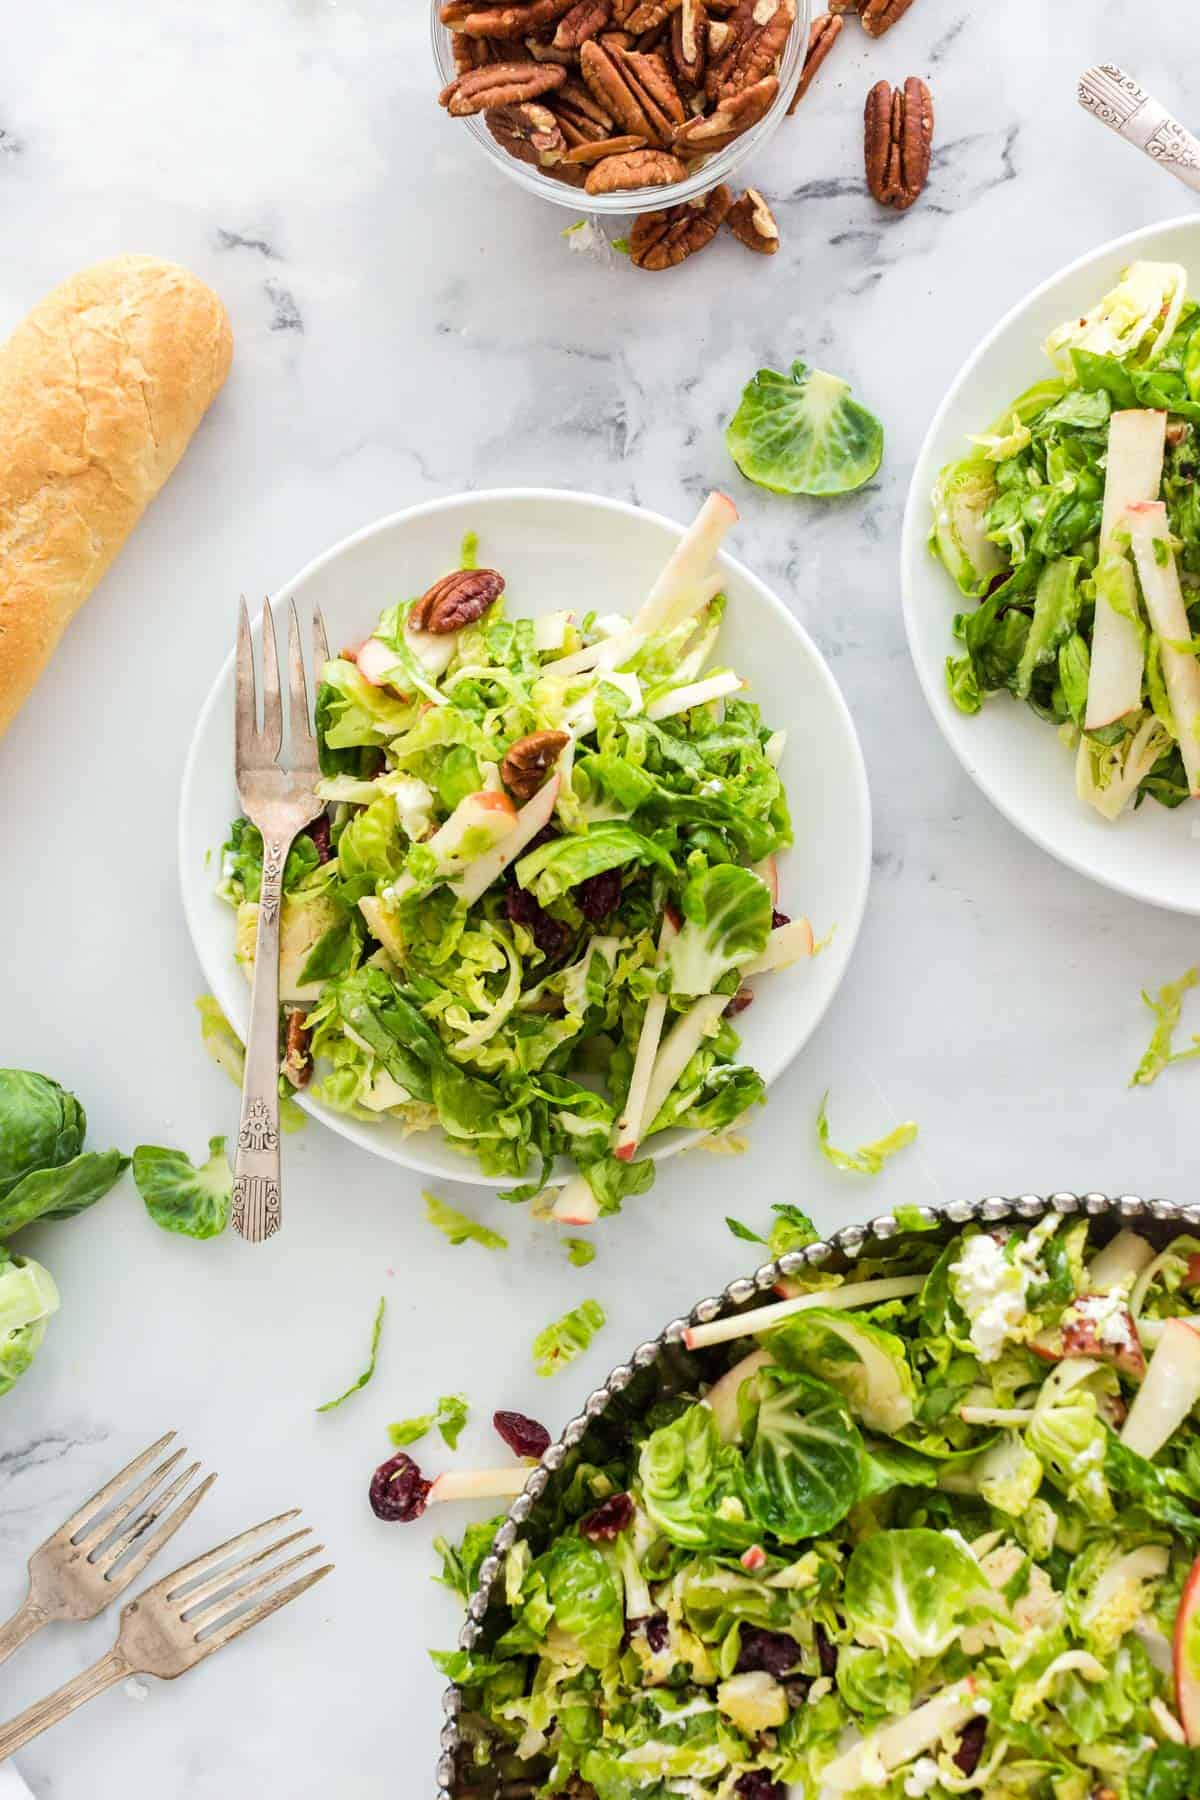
[(620, 106)]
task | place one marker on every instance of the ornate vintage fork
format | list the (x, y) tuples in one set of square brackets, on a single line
[(74, 1574), (281, 802), (161, 1630)]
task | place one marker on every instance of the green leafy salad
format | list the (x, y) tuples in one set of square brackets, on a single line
[(546, 877), (1075, 523), (925, 1528)]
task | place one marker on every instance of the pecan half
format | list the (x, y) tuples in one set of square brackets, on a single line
[(823, 35), (649, 15), (468, 53), (845, 6), (662, 240), (456, 600), (499, 84), (528, 762), (735, 114), (637, 91), (756, 52), (898, 142), (503, 21), (720, 36), (753, 223), (529, 132), (879, 16), (543, 50), (587, 154), (635, 169), (297, 1056), (689, 44), (584, 20)]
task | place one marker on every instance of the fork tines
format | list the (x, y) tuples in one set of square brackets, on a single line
[(211, 1594), (257, 744), (95, 1530)]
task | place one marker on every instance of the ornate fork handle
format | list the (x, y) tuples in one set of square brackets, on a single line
[(28, 1618), (257, 1212), (36, 1718), (1119, 101)]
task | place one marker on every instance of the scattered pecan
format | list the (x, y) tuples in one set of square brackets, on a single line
[(528, 762), (468, 53), (720, 36), (530, 132), (499, 84), (845, 6), (503, 21), (756, 49), (753, 223), (822, 36), (898, 142), (651, 81), (586, 154), (636, 90), (735, 114), (658, 39), (584, 20), (662, 240), (650, 15), (689, 44), (544, 50), (297, 1056), (635, 169), (616, 40), (456, 600), (879, 16)]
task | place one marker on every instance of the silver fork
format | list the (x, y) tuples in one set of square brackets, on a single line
[(280, 802), (161, 1631), (74, 1574)]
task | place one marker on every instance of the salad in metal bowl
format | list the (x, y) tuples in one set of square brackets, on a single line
[(1075, 525), (925, 1527), (546, 882)]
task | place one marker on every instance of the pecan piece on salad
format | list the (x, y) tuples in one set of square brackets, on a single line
[(583, 21), (753, 223), (735, 114), (878, 16), (822, 36), (499, 84), (898, 142), (456, 600), (297, 1053), (662, 240), (635, 169), (527, 763)]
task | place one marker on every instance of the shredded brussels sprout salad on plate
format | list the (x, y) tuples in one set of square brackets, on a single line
[(1060, 493), (926, 1526), (564, 865)]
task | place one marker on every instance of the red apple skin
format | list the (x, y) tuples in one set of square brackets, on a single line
[(1186, 1656), (753, 1558), (1048, 1345), (1192, 1276), (1080, 1338)]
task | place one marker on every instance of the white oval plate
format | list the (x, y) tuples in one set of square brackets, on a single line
[(1016, 758), (557, 548)]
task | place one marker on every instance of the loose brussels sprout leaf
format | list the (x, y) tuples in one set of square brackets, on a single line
[(370, 1368), (862, 1361), (566, 1338), (688, 1484), (62, 1192), (801, 433), (458, 1228), (868, 1159), (28, 1296), (805, 1458), (1165, 1010), (42, 1126), (962, 494), (727, 920), (181, 1196), (911, 1591)]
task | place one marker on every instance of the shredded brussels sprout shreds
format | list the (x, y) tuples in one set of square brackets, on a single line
[(524, 814), (1073, 528), (937, 1541)]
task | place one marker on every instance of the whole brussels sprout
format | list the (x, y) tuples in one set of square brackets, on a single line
[(41, 1125)]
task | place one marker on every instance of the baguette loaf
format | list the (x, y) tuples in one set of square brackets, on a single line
[(100, 389)]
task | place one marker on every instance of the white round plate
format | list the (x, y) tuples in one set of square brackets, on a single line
[(555, 547), (1015, 757)]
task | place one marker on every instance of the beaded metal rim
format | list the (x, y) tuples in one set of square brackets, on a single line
[(851, 1242)]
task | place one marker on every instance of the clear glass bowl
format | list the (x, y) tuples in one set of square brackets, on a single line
[(633, 200)]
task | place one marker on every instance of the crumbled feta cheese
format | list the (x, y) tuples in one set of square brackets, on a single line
[(921, 1777), (135, 1689), (991, 1290), (587, 239), (1109, 1316)]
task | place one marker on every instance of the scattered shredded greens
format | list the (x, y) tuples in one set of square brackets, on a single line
[(1165, 1011), (579, 1252), (566, 1338), (193, 1199), (226, 1049), (450, 1416), (370, 1368), (868, 1159), (458, 1228)]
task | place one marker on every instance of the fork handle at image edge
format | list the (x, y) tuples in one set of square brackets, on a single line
[(257, 1208), (27, 1619), (110, 1669)]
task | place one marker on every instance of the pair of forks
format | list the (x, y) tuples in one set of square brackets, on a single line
[(174, 1625), (281, 802)]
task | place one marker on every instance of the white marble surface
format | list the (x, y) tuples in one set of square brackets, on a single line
[(408, 324)]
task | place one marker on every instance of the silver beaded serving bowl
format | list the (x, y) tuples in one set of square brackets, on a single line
[(665, 1357)]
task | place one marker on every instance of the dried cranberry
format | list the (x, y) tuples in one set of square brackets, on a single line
[(658, 1632), (757, 1784), (318, 831), (773, 1651), (970, 1747), (599, 894), (550, 935), (826, 1651), (741, 1000), (546, 835), (399, 1490), (524, 1437), (610, 1519), (779, 918)]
